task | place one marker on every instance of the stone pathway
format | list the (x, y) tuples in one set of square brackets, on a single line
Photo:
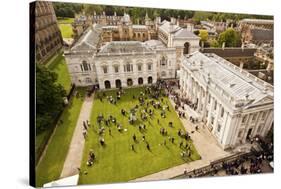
[(207, 147), (75, 151)]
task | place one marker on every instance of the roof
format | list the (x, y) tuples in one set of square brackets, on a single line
[(155, 44), (231, 52), (257, 21), (89, 39), (124, 47), (167, 27), (236, 83), (139, 26), (185, 33), (262, 34)]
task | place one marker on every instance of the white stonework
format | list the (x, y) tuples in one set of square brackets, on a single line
[(234, 104), (92, 61)]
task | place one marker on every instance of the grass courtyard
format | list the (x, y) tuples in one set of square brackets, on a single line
[(65, 27), (58, 65), (66, 30), (50, 167), (116, 161)]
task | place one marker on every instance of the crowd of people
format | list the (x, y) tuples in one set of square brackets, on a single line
[(150, 101)]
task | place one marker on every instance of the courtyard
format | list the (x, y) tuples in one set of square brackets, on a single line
[(116, 161)]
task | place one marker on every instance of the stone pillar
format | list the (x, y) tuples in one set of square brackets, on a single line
[(268, 123), (210, 112), (204, 105), (112, 83), (241, 65), (217, 113)]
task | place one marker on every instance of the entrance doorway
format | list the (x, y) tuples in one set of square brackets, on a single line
[(118, 83), (140, 81), (186, 48), (107, 84), (249, 134), (129, 82), (149, 80)]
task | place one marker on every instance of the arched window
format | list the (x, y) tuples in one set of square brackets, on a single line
[(116, 68), (149, 66), (128, 67), (85, 65), (88, 80), (163, 62), (104, 69), (139, 67)]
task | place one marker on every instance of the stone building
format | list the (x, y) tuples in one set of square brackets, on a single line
[(256, 31), (48, 39), (234, 104), (129, 56), (236, 55), (122, 29)]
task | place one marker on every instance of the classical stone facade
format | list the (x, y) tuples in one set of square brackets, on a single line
[(234, 104), (48, 38), (131, 57)]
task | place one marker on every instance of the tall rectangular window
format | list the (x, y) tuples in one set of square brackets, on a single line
[(215, 106), (222, 112), (116, 69), (139, 67), (104, 69), (149, 66), (219, 128)]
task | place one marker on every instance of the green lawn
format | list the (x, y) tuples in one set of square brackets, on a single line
[(65, 20), (65, 27), (51, 165), (59, 66), (66, 30), (116, 162)]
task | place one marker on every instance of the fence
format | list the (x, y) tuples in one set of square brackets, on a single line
[(214, 165)]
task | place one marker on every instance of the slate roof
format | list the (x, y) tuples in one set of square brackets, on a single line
[(89, 39), (185, 33), (231, 52), (262, 34), (124, 47), (231, 79)]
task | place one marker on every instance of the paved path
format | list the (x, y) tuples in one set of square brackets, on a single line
[(207, 147), (75, 151)]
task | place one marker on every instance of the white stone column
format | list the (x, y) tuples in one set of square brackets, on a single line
[(210, 112), (217, 113), (268, 123)]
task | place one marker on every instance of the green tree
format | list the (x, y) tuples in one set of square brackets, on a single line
[(230, 37), (200, 16), (214, 43), (90, 9), (203, 34), (49, 97)]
